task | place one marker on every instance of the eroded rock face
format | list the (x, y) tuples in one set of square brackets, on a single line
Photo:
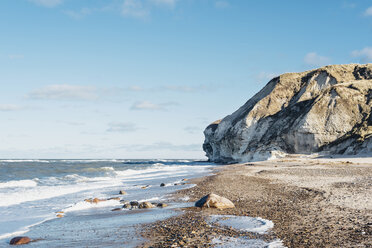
[(323, 110)]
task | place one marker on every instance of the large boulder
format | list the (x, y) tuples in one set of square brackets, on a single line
[(22, 240), (214, 201), (325, 110)]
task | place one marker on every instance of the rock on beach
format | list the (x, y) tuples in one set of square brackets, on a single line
[(22, 240), (214, 201)]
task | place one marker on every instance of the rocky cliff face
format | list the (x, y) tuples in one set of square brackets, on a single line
[(324, 110)]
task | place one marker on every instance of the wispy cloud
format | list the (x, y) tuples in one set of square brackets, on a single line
[(146, 105), (193, 129), (47, 3), (368, 11), (264, 76), (174, 88), (365, 54), (65, 92), (9, 107), (169, 3), (314, 59), (134, 9), (122, 127), (79, 13), (15, 56), (348, 5), (162, 146), (221, 4)]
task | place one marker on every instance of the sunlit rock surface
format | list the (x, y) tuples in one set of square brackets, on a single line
[(325, 110)]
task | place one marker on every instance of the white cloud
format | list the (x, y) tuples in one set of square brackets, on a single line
[(122, 127), (265, 75), (47, 3), (170, 3), (9, 107), (162, 146), (365, 54), (78, 14), (135, 88), (146, 105), (135, 9), (222, 4), (65, 92), (15, 56), (368, 11), (314, 59), (348, 5), (193, 129)]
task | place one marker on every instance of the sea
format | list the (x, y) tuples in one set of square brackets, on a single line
[(34, 192)]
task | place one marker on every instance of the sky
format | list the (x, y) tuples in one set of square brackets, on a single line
[(143, 78)]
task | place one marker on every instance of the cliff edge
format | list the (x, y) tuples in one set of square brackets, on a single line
[(326, 110)]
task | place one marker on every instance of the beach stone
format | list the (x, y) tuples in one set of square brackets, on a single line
[(96, 200), (134, 203), (185, 179), (214, 201), (146, 205), (162, 184), (21, 240), (116, 209), (114, 198), (126, 205), (162, 205), (60, 216), (145, 187), (122, 192)]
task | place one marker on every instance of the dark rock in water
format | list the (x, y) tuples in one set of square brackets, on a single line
[(326, 110), (116, 209), (214, 201), (146, 205), (127, 206), (134, 203), (162, 184), (22, 240), (162, 205), (122, 192)]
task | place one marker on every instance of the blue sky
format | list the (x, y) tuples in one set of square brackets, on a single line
[(143, 78)]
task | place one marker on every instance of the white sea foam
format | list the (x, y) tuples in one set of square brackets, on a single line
[(230, 242), (83, 205), (244, 223), (18, 183), (24, 160), (61, 192), (46, 192)]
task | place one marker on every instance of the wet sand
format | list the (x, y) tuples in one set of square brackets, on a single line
[(312, 202)]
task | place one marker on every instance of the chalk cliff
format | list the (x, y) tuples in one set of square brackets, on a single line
[(326, 110)]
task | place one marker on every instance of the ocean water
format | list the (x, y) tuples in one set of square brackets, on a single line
[(32, 192)]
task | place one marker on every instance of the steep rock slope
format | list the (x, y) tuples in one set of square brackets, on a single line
[(323, 110)]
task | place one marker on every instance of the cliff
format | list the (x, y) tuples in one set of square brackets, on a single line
[(326, 110)]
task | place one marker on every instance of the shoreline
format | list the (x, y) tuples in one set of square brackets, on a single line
[(312, 202)]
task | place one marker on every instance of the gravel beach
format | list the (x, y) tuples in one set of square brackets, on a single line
[(312, 202)]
